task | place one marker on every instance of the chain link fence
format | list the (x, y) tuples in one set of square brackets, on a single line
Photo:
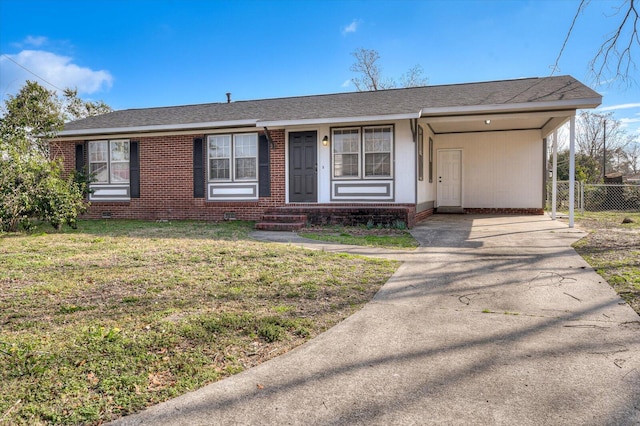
[(596, 197)]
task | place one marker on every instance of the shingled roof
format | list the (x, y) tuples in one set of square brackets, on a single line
[(524, 94)]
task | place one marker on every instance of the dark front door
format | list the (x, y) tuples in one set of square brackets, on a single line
[(303, 167)]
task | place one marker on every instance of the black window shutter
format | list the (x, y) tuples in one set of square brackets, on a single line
[(80, 157), (264, 178), (198, 168), (134, 169)]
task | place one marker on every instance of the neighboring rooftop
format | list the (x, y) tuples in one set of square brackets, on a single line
[(507, 95)]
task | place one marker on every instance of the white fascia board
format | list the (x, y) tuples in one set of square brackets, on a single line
[(554, 124), (333, 120), (498, 115), (523, 106), (158, 127)]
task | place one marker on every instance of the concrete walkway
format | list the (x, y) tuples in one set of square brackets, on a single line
[(494, 320)]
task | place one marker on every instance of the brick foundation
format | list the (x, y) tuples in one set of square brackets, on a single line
[(419, 217), (504, 211), (353, 214)]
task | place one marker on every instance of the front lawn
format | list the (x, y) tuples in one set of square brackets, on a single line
[(108, 319), (612, 248)]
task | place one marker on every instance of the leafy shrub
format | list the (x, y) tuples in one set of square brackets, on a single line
[(33, 188), (399, 224)]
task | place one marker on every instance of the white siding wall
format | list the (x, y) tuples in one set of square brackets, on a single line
[(404, 162), (499, 170), (426, 190)]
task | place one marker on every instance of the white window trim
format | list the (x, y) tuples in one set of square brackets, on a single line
[(235, 157), (333, 154), (232, 159), (109, 161), (362, 154)]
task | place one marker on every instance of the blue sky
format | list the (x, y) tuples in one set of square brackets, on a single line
[(142, 53)]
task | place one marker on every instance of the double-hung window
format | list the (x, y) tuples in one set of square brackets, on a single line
[(346, 153), (233, 157), (377, 152), (109, 161), (362, 152)]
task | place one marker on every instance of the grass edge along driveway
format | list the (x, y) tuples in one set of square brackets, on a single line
[(612, 248), (108, 319)]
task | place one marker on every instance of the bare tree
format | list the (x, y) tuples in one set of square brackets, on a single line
[(631, 157), (370, 76), (597, 130), (614, 58), (413, 77), (600, 136)]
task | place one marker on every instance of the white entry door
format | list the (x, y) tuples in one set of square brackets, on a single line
[(449, 188)]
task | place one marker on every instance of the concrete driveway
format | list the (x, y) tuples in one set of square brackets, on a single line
[(494, 320)]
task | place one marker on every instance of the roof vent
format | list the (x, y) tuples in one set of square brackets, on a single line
[(228, 97)]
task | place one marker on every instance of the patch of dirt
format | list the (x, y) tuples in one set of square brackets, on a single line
[(613, 250)]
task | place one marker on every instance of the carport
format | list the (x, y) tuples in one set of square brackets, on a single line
[(490, 134)]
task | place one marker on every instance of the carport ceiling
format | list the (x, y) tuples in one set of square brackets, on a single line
[(545, 122)]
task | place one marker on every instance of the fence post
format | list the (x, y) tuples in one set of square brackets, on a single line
[(582, 197)]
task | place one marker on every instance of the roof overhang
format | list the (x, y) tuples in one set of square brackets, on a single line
[(544, 121), (338, 120), (544, 117), (159, 128), (574, 104)]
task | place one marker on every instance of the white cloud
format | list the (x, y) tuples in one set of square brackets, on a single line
[(32, 41), (352, 27), (35, 41), (629, 120), (620, 106), (58, 70)]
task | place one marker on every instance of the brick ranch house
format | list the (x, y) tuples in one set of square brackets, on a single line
[(387, 155)]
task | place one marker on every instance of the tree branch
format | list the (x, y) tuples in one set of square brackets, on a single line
[(609, 50), (583, 4)]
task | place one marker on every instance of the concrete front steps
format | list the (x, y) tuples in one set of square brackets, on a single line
[(273, 221)]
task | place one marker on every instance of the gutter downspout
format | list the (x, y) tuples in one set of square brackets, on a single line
[(268, 135), (413, 123)]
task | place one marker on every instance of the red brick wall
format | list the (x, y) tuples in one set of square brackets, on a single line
[(66, 152), (166, 182), (423, 215)]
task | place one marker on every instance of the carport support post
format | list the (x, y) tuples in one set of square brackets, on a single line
[(554, 184), (572, 168)]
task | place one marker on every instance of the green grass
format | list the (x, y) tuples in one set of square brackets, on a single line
[(359, 236), (110, 318), (612, 248)]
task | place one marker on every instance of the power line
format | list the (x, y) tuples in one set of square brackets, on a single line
[(31, 72)]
